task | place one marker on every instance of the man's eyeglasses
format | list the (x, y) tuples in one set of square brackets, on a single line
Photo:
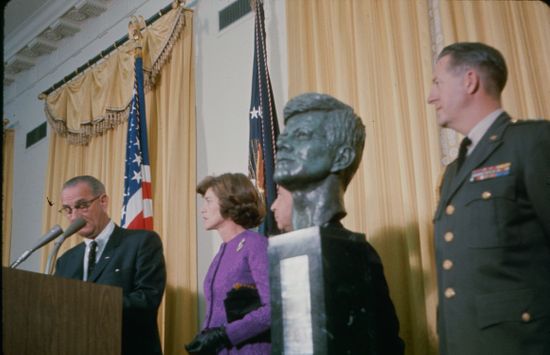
[(81, 206)]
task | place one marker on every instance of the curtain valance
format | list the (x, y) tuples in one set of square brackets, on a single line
[(99, 98)]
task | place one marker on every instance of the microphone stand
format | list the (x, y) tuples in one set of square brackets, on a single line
[(45, 239), (53, 254), (74, 227)]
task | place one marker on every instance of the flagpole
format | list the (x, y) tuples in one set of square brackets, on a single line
[(137, 209), (264, 127)]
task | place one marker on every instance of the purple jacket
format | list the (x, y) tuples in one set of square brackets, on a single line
[(243, 260)]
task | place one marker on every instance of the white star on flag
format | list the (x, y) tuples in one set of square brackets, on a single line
[(137, 159), (137, 176), (255, 113)]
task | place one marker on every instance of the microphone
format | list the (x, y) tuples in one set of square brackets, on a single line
[(45, 239), (74, 227)]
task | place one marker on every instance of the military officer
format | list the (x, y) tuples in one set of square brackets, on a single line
[(492, 223)]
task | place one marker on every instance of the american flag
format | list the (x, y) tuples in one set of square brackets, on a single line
[(264, 128), (137, 209)]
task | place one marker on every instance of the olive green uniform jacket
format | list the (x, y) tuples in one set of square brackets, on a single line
[(492, 239)]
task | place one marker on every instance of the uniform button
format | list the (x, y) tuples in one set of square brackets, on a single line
[(449, 236), (447, 264), (526, 317), (493, 137), (486, 195), (449, 292), (450, 209)]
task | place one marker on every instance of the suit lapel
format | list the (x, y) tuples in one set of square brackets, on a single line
[(486, 146), (78, 272), (445, 186), (108, 254)]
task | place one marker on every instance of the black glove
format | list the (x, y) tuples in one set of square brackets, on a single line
[(209, 341)]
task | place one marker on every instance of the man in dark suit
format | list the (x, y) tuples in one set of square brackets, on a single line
[(492, 223), (110, 255)]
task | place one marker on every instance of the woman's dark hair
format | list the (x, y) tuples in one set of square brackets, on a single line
[(239, 199)]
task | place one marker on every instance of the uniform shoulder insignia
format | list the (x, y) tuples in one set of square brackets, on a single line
[(527, 121)]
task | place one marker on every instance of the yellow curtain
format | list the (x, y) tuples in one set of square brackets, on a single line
[(98, 99), (7, 194), (170, 112), (519, 29), (516, 28), (377, 56)]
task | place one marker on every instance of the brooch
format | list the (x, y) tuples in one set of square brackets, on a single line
[(241, 244)]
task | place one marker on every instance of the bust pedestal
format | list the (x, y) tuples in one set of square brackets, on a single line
[(321, 294)]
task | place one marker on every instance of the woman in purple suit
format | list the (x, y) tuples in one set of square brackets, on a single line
[(236, 287)]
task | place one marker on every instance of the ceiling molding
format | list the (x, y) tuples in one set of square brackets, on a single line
[(90, 8), (18, 63), (41, 34), (34, 25), (8, 79), (59, 29), (37, 47)]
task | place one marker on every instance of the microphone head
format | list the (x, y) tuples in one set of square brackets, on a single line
[(48, 237), (74, 227)]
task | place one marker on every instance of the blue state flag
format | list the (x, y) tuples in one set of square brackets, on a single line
[(264, 127)]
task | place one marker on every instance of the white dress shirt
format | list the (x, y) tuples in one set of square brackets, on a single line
[(481, 128)]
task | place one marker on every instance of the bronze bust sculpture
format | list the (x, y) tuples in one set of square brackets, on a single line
[(318, 154), (328, 290)]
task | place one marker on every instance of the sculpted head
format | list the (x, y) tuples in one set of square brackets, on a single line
[(322, 137)]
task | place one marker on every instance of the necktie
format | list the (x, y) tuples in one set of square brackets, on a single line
[(91, 258), (462, 152)]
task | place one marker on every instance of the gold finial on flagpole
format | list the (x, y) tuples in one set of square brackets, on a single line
[(136, 24)]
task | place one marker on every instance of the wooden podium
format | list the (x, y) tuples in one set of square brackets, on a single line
[(45, 315)]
